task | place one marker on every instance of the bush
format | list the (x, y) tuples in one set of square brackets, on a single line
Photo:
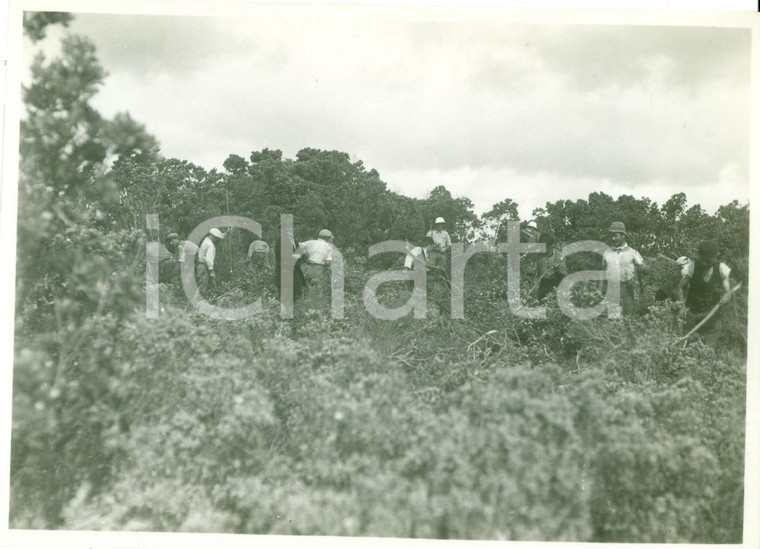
[(492, 426)]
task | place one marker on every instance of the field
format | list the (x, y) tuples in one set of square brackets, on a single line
[(496, 427), (488, 427)]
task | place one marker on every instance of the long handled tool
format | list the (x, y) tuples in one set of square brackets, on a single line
[(708, 316), (670, 259), (663, 256), (225, 294)]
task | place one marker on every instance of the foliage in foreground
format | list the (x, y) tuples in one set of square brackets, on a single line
[(431, 428)]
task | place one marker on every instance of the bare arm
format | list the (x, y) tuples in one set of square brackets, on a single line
[(726, 291)]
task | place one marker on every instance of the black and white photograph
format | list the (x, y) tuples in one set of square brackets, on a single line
[(400, 272)]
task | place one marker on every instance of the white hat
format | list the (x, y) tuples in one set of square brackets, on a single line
[(216, 232), (532, 225), (683, 260), (324, 233), (439, 220)]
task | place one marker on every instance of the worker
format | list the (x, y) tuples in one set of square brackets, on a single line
[(317, 256), (624, 262), (419, 254), (531, 232), (704, 284), (204, 270), (291, 245), (259, 256), (181, 249), (530, 262), (158, 254), (668, 290), (551, 269), (441, 244), (172, 242)]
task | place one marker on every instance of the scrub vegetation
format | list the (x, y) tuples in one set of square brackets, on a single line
[(487, 427)]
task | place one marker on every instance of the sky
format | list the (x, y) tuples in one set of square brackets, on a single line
[(491, 109)]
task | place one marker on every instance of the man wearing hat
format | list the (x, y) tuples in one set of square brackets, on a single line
[(204, 269), (441, 244), (531, 232), (623, 261), (258, 256), (172, 242), (530, 264), (419, 254), (180, 248), (704, 284), (317, 255)]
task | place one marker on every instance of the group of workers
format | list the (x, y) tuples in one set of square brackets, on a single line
[(433, 249), (703, 285), (702, 288), (312, 265)]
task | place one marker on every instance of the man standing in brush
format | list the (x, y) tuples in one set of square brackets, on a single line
[(204, 268), (287, 241), (318, 255), (622, 261), (181, 249), (438, 256), (704, 284), (258, 256), (419, 254)]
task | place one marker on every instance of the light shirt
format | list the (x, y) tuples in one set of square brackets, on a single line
[(724, 270), (258, 246), (622, 260), (207, 253), (185, 248), (418, 253), (441, 239), (318, 252)]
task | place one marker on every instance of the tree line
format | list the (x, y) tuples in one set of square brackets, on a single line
[(85, 178)]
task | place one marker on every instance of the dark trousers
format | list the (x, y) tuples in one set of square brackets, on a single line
[(546, 285), (202, 278), (438, 259), (168, 270), (258, 261), (299, 281), (627, 301)]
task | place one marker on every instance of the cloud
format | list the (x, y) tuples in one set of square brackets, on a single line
[(598, 57), (171, 45), (616, 106)]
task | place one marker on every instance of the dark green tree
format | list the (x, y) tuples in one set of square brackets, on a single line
[(235, 164), (494, 220), (456, 211), (35, 22), (75, 282)]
